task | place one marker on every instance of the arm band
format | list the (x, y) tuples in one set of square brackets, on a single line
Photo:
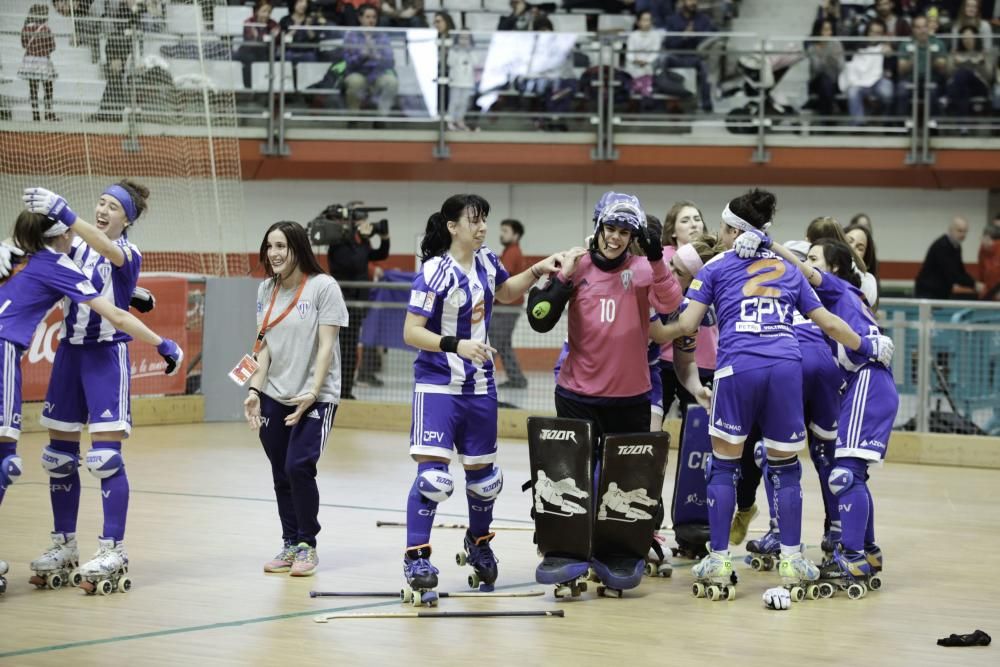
[(449, 344), (254, 390)]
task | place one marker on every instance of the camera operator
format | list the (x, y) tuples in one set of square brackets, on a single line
[(348, 260)]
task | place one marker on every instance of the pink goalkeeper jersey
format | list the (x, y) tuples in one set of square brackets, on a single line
[(707, 339), (609, 326)]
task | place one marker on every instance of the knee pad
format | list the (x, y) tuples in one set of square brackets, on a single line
[(487, 488), (104, 463), (59, 464), (10, 470), (760, 454), (435, 484), (841, 479)]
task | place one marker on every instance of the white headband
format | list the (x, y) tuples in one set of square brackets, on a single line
[(57, 229), (739, 223)]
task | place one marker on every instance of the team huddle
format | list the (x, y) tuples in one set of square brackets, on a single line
[(779, 344)]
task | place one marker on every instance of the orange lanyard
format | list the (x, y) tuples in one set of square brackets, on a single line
[(266, 325)]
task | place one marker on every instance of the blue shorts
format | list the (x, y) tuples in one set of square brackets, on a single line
[(446, 422), (656, 392), (821, 381), (770, 397), (868, 410), (10, 390), (89, 384)]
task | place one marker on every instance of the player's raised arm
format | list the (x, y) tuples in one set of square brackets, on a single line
[(46, 202)]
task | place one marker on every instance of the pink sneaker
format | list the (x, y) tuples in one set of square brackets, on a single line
[(306, 561), (283, 561)]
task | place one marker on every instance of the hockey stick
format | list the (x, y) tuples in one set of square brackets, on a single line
[(460, 526), (460, 594), (438, 614)]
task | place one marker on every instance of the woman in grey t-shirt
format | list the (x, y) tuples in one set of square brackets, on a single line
[(293, 395)]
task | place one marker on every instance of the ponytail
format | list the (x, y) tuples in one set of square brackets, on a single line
[(437, 238)]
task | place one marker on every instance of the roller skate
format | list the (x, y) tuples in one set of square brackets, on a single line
[(3, 582), (714, 577), (59, 565), (850, 572), (282, 562), (764, 552), (421, 577), (657, 561), (874, 557), (800, 575), (617, 574), (741, 524), (479, 555), (568, 574), (107, 571)]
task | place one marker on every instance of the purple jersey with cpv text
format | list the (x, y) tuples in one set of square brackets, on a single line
[(36, 286), (847, 302), (754, 299), (82, 326), (456, 304)]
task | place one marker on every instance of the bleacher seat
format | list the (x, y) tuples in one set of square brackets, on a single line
[(229, 20), (432, 6), (613, 22), (498, 6), (576, 23), (311, 73), (259, 77), (224, 74), (481, 21), (183, 19), (453, 6)]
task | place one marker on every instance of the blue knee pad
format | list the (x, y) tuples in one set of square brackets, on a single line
[(104, 463), (435, 483), (10, 470), (487, 488), (58, 464), (844, 476)]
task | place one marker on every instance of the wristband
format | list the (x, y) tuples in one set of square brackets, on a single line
[(536, 274), (449, 344), (254, 390)]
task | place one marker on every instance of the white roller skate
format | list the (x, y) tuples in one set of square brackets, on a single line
[(3, 582), (107, 571), (799, 576), (714, 577), (59, 564)]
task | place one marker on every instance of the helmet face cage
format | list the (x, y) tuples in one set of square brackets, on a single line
[(622, 211)]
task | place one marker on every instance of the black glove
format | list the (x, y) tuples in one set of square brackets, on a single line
[(142, 300), (649, 241)]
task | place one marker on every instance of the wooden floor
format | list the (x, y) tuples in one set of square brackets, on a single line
[(202, 521)]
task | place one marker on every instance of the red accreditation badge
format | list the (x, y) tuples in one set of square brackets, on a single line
[(244, 370)]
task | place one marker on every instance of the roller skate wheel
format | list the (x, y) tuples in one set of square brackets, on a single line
[(826, 590), (856, 591), (756, 563), (601, 590), (581, 586), (812, 592), (649, 569), (875, 582), (55, 582), (698, 589), (473, 580), (460, 558), (798, 593), (730, 592), (405, 595), (124, 585), (714, 593), (104, 587), (768, 563), (75, 578)]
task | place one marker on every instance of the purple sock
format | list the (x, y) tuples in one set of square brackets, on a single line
[(848, 481), (772, 510), (786, 480), (870, 528), (480, 504), (64, 491), (420, 509), (115, 492), (722, 477)]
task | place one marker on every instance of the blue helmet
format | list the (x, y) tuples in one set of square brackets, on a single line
[(619, 210)]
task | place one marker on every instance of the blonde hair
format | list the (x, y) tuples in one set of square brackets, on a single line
[(826, 227)]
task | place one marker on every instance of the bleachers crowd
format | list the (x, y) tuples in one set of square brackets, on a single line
[(867, 62)]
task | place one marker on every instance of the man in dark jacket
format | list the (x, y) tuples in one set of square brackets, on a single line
[(348, 260), (689, 19), (943, 275)]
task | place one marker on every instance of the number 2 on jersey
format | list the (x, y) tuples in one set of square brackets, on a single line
[(762, 271), (608, 310)]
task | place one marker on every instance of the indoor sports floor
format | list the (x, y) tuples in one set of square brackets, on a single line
[(202, 522)]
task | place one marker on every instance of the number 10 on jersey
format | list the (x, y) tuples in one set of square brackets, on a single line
[(608, 308)]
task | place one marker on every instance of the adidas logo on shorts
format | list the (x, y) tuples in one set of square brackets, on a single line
[(314, 414), (106, 414)]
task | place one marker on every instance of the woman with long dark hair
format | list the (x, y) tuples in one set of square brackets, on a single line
[(300, 311)]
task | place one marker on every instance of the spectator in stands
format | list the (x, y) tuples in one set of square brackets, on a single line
[(971, 72), (300, 44), (970, 16), (929, 51), (860, 238), (408, 14), (503, 323), (869, 75), (688, 19), (943, 275), (659, 10), (36, 66), (258, 30), (462, 77), (989, 260), (522, 17), (370, 64), (830, 10), (885, 11), (348, 12), (124, 20), (641, 51), (443, 23), (826, 60), (864, 220)]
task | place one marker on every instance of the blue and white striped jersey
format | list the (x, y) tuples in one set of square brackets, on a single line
[(80, 325)]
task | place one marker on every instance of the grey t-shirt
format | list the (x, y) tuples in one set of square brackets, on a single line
[(293, 343)]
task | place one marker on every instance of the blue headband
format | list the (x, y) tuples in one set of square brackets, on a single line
[(122, 195)]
